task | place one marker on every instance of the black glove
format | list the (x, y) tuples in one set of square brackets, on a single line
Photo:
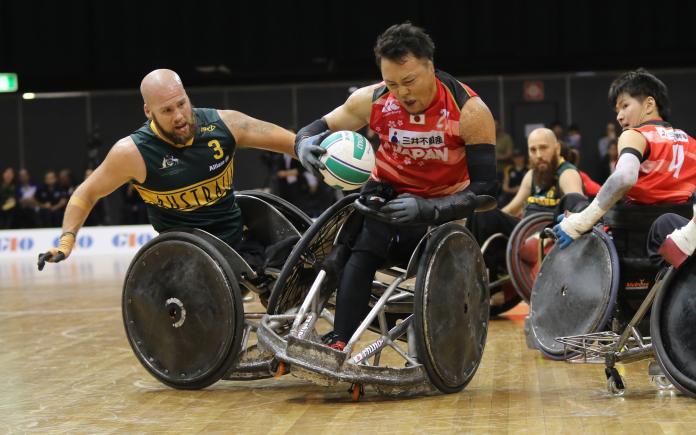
[(308, 152), (375, 194), (407, 209), (412, 209)]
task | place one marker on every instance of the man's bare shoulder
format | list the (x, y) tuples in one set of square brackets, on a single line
[(124, 148), (125, 161), (363, 96)]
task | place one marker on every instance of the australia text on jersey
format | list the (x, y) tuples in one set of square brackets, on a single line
[(203, 193)]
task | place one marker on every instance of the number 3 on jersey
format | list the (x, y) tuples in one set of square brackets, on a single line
[(677, 159), (215, 145)]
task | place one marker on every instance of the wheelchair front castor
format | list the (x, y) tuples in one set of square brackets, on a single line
[(615, 382), (356, 392)]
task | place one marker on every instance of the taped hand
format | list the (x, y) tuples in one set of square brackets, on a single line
[(54, 255)]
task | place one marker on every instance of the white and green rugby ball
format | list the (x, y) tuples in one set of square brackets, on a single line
[(349, 160)]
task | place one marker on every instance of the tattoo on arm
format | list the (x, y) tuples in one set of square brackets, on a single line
[(254, 126)]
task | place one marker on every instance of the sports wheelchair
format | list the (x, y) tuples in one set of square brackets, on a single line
[(437, 304), (184, 318), (598, 299), (182, 296), (512, 277)]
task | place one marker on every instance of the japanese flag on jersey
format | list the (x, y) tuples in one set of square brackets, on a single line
[(417, 119)]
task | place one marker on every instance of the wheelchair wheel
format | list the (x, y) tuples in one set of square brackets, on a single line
[(672, 327), (451, 307), (297, 217), (301, 268), (575, 292), (521, 254), (182, 310)]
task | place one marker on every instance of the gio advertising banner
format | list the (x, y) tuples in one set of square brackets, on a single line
[(90, 240)]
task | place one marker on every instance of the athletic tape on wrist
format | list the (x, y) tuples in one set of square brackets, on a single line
[(66, 242), (80, 203), (591, 214)]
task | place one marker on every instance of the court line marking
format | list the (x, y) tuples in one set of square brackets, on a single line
[(58, 312)]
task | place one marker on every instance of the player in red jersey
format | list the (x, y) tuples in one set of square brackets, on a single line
[(436, 153), (657, 164)]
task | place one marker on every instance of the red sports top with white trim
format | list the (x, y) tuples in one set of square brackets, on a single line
[(668, 173), (422, 154)]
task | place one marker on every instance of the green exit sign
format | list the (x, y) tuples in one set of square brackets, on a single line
[(8, 82)]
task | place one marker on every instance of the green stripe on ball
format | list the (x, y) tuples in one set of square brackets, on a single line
[(331, 139), (359, 145)]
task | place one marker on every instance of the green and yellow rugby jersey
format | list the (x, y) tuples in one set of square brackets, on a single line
[(546, 199), (190, 185)]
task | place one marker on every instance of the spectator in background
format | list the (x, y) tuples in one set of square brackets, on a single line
[(321, 196), (503, 146), (288, 179), (52, 200), (65, 181), (574, 139), (27, 210), (608, 164), (512, 178), (603, 143), (8, 200), (558, 130), (94, 144), (292, 182)]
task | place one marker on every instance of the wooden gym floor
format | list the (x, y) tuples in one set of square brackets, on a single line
[(66, 367)]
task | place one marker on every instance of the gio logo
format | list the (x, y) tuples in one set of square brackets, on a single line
[(130, 240), (83, 241), (169, 161), (12, 244)]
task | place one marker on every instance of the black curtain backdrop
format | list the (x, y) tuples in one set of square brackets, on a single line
[(85, 44)]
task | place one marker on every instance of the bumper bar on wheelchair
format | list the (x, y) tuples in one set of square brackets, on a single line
[(326, 366), (314, 361)]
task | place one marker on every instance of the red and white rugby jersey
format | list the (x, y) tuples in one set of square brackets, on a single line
[(422, 154), (668, 173)]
